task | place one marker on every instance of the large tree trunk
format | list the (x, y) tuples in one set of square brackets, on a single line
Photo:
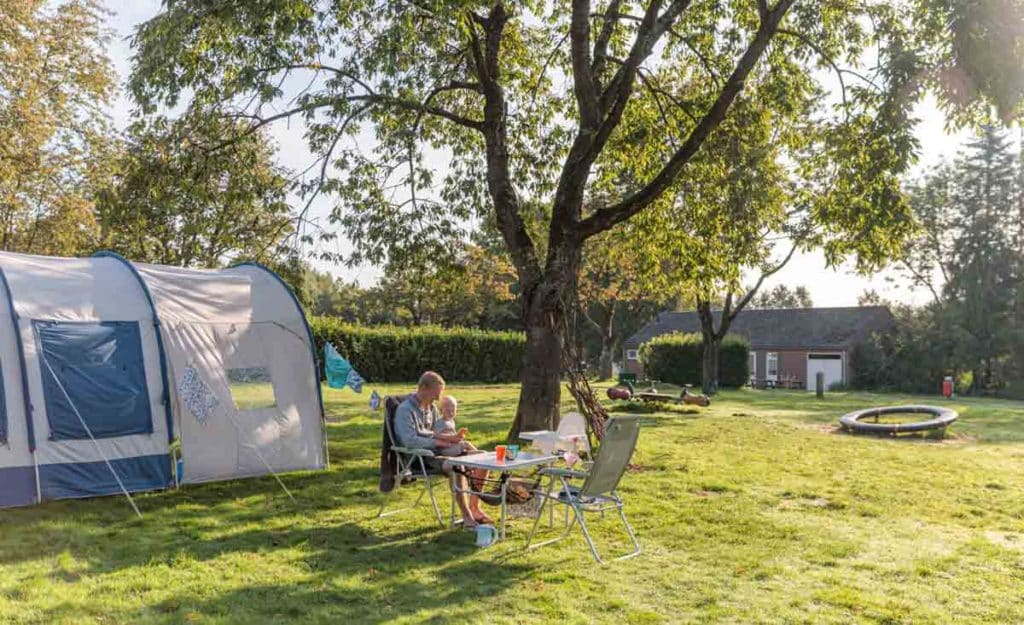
[(711, 345), (544, 310), (541, 376), (709, 365)]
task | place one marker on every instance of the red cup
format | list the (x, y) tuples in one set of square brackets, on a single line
[(499, 453)]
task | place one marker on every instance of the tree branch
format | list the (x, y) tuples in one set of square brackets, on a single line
[(920, 279), (486, 55), (603, 38), (813, 46), (583, 81), (764, 276), (607, 217), (589, 141), (420, 108), (655, 88)]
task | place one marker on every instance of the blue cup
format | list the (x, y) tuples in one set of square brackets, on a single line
[(485, 535)]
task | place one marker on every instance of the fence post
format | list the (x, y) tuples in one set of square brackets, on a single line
[(819, 384)]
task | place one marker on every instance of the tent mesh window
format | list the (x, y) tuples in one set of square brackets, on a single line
[(93, 372), (251, 388)]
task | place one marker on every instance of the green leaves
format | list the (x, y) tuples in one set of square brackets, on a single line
[(430, 117), (199, 191), (677, 359), (55, 80), (393, 354)]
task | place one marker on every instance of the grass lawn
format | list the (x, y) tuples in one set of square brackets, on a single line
[(752, 511)]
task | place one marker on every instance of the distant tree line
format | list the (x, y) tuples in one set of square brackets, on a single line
[(163, 191), (969, 254)]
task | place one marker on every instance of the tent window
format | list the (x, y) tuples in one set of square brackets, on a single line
[(251, 388), (96, 369)]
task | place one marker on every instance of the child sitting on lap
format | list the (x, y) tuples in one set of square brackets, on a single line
[(446, 426)]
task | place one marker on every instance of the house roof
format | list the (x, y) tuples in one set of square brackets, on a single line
[(781, 328)]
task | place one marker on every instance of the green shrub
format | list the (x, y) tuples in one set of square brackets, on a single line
[(734, 362), (677, 359), (401, 354)]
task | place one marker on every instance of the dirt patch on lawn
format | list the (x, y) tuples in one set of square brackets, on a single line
[(1007, 540)]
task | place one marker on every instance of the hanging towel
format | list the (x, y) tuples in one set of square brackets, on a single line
[(196, 395), (339, 372)]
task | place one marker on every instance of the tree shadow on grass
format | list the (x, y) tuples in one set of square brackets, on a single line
[(350, 575), (351, 569), (452, 595)]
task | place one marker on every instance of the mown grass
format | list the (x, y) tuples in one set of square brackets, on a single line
[(752, 511)]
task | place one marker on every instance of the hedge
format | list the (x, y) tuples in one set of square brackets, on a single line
[(677, 359), (401, 354)]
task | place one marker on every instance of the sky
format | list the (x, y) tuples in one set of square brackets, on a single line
[(828, 286)]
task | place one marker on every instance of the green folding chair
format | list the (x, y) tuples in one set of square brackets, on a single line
[(599, 491)]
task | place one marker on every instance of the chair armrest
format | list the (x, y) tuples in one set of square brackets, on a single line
[(414, 451), (563, 472)]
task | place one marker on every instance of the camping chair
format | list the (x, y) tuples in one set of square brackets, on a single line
[(403, 465), (599, 491)]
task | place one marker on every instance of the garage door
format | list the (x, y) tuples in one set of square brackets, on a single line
[(829, 364)]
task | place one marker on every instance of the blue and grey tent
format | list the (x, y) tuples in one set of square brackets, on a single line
[(105, 363)]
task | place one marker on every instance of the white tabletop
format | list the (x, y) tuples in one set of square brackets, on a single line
[(487, 460), (537, 435)]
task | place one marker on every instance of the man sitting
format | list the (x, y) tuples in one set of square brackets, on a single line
[(414, 428)]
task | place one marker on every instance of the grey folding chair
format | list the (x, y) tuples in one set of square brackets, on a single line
[(409, 465), (599, 491)]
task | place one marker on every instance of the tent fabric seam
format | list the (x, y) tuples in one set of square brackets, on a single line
[(166, 398), (26, 398), (312, 346)]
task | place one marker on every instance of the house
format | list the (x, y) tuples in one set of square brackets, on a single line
[(785, 343)]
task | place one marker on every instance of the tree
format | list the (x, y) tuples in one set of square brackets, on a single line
[(467, 287), (714, 336), (967, 253), (651, 82), (871, 297), (617, 293), (175, 201), (983, 284), (55, 81), (784, 297)]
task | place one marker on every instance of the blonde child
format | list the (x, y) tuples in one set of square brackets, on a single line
[(446, 425)]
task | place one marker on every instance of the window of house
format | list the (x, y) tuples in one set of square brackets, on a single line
[(251, 388), (94, 379), (772, 365), (630, 354), (753, 364)]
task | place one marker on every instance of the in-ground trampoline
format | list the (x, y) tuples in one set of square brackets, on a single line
[(856, 420)]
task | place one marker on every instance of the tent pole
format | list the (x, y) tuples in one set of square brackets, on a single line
[(323, 426), (71, 403), (39, 488)]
